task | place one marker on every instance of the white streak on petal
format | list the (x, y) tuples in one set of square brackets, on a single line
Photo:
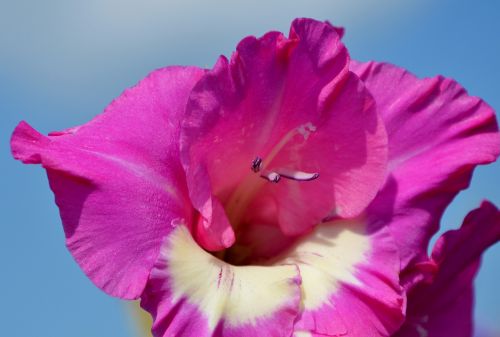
[(302, 334), (237, 294), (327, 257)]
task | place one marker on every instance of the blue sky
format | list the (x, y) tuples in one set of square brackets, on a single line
[(62, 62)]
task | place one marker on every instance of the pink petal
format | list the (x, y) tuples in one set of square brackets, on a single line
[(297, 91), (193, 294), (437, 135), (117, 180), (443, 307), (350, 280)]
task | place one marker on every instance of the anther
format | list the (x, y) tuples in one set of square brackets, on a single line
[(297, 175), (271, 176), (256, 164), (275, 176)]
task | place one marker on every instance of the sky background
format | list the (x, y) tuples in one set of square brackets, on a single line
[(62, 62)]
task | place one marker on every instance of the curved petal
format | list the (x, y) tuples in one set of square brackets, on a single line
[(437, 135), (192, 293), (117, 180), (293, 102), (443, 307), (349, 270)]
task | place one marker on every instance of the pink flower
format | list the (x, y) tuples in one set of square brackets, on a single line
[(288, 191)]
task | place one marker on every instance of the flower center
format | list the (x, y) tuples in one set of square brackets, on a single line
[(263, 172), (248, 188)]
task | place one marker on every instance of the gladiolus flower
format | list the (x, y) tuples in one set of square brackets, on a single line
[(288, 191)]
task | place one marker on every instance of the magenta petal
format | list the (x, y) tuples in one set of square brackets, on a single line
[(212, 230), (437, 135), (117, 180), (293, 102), (443, 307)]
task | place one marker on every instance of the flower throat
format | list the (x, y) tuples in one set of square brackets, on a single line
[(247, 190)]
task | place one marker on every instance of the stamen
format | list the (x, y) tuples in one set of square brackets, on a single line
[(257, 164), (297, 175), (275, 176), (271, 176), (240, 198)]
